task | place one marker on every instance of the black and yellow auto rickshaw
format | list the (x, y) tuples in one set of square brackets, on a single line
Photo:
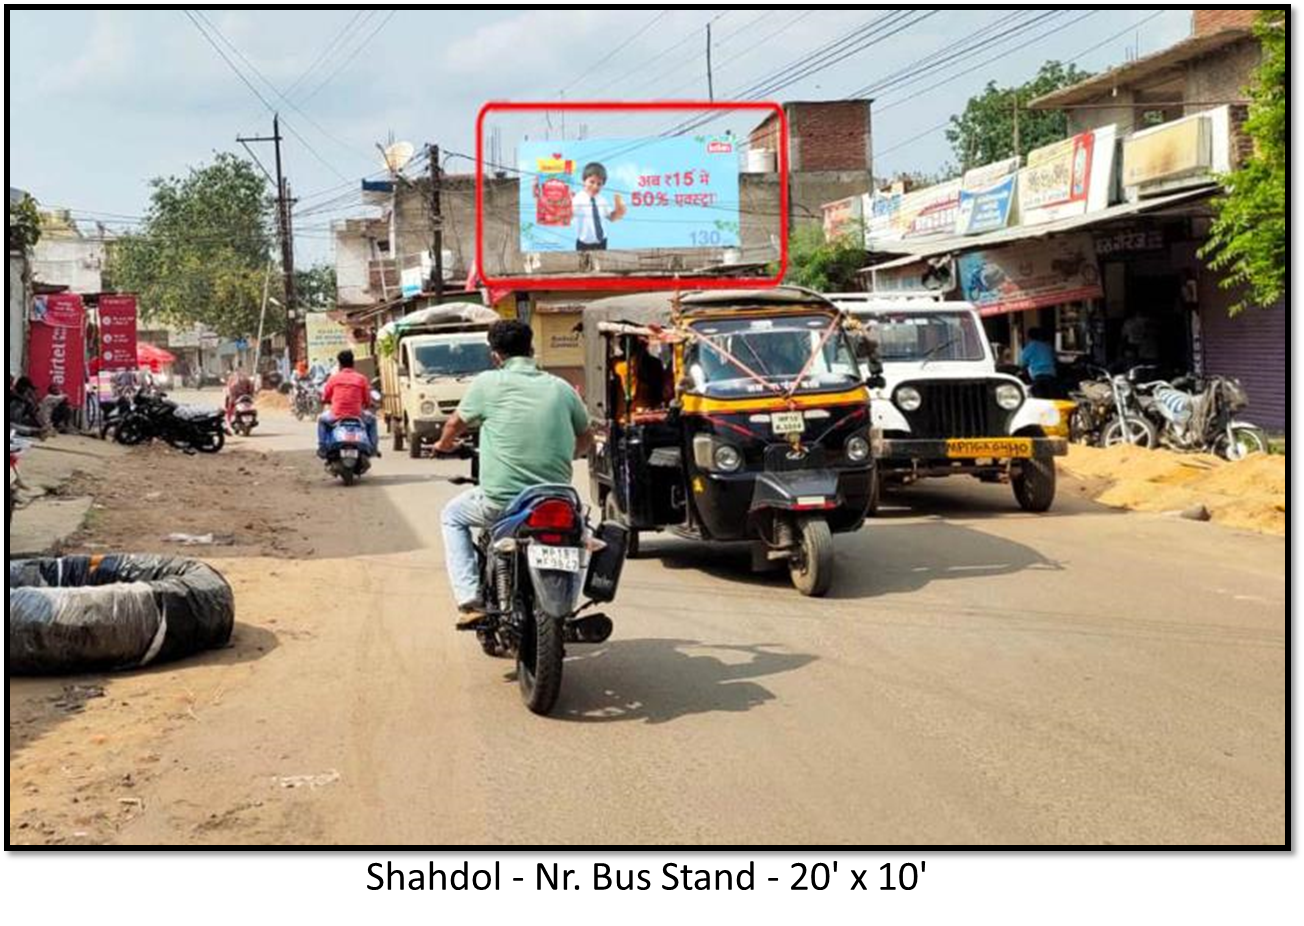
[(730, 416)]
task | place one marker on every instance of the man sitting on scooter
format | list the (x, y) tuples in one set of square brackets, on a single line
[(349, 395), (532, 425)]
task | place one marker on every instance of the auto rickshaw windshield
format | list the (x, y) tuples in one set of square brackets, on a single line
[(753, 356)]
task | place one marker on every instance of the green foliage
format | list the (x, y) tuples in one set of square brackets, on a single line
[(984, 132), (315, 287), (202, 251), (24, 224), (825, 266), (1248, 238)]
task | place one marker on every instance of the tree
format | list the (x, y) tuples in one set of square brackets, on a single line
[(1247, 240), (24, 224), (315, 287), (825, 266), (202, 252), (984, 132)]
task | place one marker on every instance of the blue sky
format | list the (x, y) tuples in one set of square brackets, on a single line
[(103, 100)]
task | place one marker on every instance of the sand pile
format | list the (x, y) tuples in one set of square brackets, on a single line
[(271, 399), (1249, 494)]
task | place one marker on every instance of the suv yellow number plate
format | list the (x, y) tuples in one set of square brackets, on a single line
[(997, 447)]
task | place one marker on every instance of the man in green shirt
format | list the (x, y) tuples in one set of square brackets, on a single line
[(532, 425)]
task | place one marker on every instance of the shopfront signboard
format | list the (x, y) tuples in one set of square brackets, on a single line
[(1030, 275), (118, 332), (987, 198), (1067, 178)]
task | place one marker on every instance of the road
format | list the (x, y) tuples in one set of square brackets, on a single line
[(977, 675)]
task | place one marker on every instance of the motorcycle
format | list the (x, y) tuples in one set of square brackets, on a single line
[(348, 454), (307, 400), (1108, 411), (188, 428), (536, 563), (244, 418), (1197, 415), (17, 447)]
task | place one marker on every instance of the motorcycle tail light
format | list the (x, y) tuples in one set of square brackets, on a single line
[(553, 514)]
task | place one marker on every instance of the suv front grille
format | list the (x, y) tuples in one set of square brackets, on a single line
[(957, 408)]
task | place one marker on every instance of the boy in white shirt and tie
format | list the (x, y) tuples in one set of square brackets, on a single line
[(592, 210)]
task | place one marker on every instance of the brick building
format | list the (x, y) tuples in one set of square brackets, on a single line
[(835, 135)]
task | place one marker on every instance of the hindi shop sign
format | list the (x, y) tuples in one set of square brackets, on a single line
[(895, 216), (56, 346), (987, 198), (623, 194), (1030, 275), (1067, 178), (118, 332)]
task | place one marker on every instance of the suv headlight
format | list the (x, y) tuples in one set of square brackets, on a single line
[(727, 459), (428, 408), (857, 449), (908, 398), (1009, 396)]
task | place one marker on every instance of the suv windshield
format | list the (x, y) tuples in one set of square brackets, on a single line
[(450, 358), (775, 348), (925, 336)]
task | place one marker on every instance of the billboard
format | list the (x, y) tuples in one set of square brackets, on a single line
[(894, 216), (118, 332), (843, 217), (56, 345), (621, 194), (1030, 275), (987, 198), (326, 338), (1067, 178)]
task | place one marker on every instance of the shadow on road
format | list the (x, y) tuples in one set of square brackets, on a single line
[(38, 704), (961, 497), (657, 681)]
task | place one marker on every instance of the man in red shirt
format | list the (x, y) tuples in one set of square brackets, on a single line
[(348, 393)]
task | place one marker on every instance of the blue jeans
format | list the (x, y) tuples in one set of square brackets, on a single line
[(468, 510), (327, 421)]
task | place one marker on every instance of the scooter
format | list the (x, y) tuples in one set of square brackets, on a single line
[(349, 452), (244, 417)]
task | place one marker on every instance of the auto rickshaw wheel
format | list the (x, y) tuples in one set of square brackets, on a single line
[(811, 568), (611, 512)]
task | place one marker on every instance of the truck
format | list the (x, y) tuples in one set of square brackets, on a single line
[(427, 362), (945, 410)]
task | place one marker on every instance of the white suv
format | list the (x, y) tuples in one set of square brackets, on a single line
[(944, 409)]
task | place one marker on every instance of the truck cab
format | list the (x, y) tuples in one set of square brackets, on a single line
[(428, 362), (944, 409)]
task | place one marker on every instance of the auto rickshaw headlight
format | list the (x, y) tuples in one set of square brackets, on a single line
[(908, 399), (857, 449), (727, 459), (1009, 396)]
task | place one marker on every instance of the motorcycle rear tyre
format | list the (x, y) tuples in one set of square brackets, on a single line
[(539, 662), (211, 442), (1251, 440)]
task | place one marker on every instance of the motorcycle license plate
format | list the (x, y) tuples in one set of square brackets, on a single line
[(787, 422), (348, 453), (983, 447), (563, 559)]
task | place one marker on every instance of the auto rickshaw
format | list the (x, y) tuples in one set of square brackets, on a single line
[(731, 415)]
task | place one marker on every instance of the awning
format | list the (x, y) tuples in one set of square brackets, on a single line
[(933, 247)]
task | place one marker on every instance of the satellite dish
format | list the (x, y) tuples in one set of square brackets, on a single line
[(397, 155)]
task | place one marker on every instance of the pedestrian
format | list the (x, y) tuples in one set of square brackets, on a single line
[(1038, 359)]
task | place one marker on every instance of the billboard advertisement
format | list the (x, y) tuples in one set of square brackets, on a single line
[(326, 338), (894, 216), (621, 194), (118, 332), (1030, 275), (1067, 178), (843, 217), (56, 346)]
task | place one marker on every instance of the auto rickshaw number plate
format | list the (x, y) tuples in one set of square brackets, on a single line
[(787, 422), (995, 447), (563, 559)]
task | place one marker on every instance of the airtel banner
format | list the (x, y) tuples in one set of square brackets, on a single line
[(118, 332), (56, 346)]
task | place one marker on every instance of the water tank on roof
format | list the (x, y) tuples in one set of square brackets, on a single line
[(761, 161)]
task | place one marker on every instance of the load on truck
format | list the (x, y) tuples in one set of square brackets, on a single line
[(944, 409), (427, 362)]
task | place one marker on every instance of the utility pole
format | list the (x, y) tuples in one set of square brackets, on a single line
[(283, 204), (710, 78), (437, 220), (1016, 123)]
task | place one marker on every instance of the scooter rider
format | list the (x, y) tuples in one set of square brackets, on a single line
[(532, 426), (238, 385), (349, 396)]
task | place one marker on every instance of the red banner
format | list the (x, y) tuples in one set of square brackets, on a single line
[(56, 346), (118, 332)]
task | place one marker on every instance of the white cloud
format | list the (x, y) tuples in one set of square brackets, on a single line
[(106, 58)]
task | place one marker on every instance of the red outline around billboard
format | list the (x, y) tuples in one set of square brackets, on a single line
[(631, 282)]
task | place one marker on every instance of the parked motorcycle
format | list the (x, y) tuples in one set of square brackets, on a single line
[(349, 453), (537, 562), (244, 417), (1108, 410), (1197, 415), (186, 427)]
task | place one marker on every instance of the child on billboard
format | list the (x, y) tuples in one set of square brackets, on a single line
[(592, 210)]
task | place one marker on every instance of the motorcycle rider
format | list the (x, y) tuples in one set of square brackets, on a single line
[(239, 384), (348, 393), (532, 425)]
